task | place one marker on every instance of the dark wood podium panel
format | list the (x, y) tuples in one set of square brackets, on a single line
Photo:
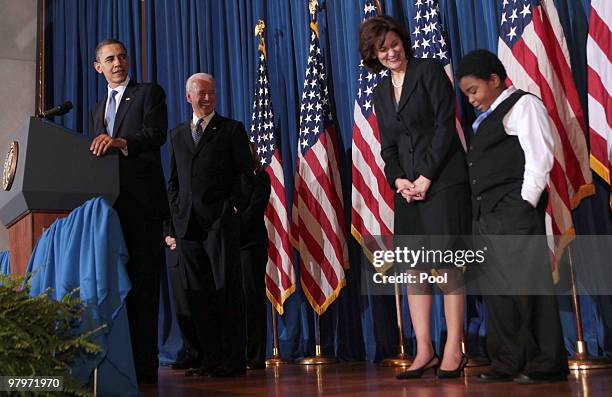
[(24, 232)]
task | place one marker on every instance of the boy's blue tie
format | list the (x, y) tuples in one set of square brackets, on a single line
[(480, 119), (110, 113)]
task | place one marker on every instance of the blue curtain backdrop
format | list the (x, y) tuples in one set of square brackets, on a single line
[(217, 37), (73, 30)]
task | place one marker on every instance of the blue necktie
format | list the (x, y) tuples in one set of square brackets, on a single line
[(480, 119), (111, 112), (196, 134)]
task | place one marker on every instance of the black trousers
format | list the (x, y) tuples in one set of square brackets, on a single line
[(254, 260), (214, 324), (524, 330), (144, 242), (183, 301)]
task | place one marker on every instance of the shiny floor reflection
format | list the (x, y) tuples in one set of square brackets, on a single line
[(362, 379)]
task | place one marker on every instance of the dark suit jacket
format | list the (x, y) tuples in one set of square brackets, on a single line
[(419, 138), (213, 175), (252, 225), (206, 182), (142, 120)]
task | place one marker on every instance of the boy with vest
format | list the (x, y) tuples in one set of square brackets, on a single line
[(509, 159)]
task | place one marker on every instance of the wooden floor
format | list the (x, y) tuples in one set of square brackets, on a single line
[(362, 379)]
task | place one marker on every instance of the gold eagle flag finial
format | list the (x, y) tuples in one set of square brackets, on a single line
[(259, 32), (313, 5), (378, 8)]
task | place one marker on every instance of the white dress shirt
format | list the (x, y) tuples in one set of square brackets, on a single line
[(206, 120), (528, 120), (120, 91)]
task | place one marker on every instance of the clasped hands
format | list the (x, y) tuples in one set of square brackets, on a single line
[(413, 190), (100, 145)]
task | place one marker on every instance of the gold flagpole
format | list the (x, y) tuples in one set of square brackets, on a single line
[(581, 360), (276, 358), (318, 358), (402, 359)]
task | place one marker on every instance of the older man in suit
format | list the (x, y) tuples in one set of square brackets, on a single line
[(210, 176), (132, 120)]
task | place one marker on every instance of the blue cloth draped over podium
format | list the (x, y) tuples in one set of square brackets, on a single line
[(5, 262), (86, 250)]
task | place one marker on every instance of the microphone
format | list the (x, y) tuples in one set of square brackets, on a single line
[(56, 111)]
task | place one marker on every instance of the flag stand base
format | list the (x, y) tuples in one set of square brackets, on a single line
[(276, 359), (401, 360), (582, 361), (318, 358)]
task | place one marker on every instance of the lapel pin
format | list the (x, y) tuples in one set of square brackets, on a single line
[(128, 98)]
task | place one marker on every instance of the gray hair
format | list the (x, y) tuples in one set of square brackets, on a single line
[(198, 76)]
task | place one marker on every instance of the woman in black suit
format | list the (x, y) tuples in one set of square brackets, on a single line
[(425, 164)]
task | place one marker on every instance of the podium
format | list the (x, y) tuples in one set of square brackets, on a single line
[(48, 171)]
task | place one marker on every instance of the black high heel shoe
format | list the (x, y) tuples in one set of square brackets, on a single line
[(455, 373), (417, 373)]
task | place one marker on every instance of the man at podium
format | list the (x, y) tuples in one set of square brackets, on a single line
[(132, 119)]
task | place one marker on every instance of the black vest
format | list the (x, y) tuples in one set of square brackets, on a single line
[(496, 161)]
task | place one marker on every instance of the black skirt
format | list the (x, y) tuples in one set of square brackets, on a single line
[(443, 221)]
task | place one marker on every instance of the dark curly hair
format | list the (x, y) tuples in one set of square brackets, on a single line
[(481, 64), (372, 34)]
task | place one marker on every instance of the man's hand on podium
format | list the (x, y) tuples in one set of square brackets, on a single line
[(103, 142)]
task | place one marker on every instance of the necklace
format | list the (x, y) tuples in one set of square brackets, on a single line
[(393, 82)]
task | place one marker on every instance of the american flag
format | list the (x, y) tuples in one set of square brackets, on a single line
[(318, 224), (429, 41), (533, 49), (372, 198), (280, 277), (599, 72)]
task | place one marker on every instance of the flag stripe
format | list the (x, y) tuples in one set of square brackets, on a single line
[(277, 256), (367, 157), (561, 69), (363, 193), (599, 32), (524, 54), (599, 80), (322, 210)]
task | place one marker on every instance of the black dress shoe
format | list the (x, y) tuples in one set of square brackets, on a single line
[(186, 364), (202, 370), (255, 365), (455, 373), (534, 379), (417, 373), (493, 377), (224, 372)]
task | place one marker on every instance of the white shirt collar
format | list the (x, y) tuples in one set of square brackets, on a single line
[(207, 119), (120, 88), (502, 97)]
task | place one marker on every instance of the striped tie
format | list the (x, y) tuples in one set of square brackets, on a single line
[(196, 134)]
